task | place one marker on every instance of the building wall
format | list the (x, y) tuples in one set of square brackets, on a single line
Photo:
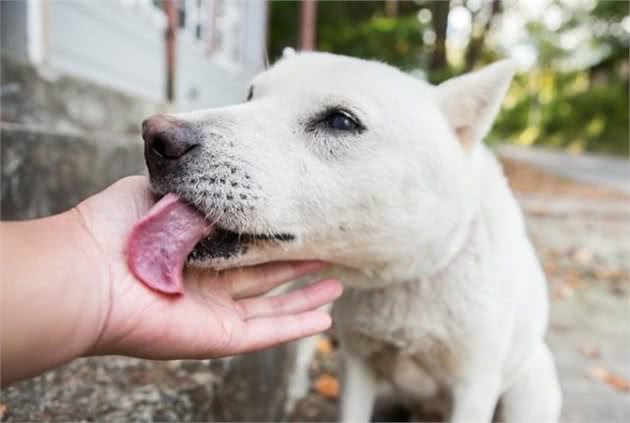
[(120, 44), (202, 83), (211, 74), (108, 42), (13, 29)]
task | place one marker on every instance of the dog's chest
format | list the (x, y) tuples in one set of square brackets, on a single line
[(403, 328)]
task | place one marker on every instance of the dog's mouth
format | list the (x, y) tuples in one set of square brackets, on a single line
[(173, 232), (224, 244)]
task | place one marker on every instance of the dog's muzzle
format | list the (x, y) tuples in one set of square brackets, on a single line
[(167, 143)]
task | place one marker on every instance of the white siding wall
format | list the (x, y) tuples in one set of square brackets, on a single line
[(213, 79), (256, 34), (13, 29), (120, 44), (108, 42), (201, 82)]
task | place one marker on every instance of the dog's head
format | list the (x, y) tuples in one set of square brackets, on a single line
[(331, 158)]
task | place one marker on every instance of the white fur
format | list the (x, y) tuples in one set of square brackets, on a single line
[(443, 285)]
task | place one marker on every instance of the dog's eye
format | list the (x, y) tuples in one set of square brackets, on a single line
[(336, 121), (250, 93), (341, 121)]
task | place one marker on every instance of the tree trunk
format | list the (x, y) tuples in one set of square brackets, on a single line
[(439, 11), (475, 46), (391, 8)]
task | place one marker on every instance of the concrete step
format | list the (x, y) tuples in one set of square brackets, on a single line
[(47, 171), (36, 96)]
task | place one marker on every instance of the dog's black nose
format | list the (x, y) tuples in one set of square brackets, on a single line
[(166, 138)]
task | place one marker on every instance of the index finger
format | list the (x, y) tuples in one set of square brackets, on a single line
[(258, 280), (265, 332)]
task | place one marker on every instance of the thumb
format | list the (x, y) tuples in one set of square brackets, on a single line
[(111, 213)]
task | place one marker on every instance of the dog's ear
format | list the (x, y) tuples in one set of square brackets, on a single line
[(471, 101)]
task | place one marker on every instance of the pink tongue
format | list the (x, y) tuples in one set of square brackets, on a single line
[(161, 241)]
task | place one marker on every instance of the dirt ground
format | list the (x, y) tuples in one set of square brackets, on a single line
[(582, 235)]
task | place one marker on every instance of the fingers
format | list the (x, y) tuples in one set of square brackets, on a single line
[(306, 298), (265, 332), (257, 280)]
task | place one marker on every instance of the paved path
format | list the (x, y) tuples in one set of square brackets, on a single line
[(611, 172), (585, 246), (590, 313)]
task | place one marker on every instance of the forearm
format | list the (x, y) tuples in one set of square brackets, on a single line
[(51, 308)]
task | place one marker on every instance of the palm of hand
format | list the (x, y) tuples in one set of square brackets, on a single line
[(219, 314)]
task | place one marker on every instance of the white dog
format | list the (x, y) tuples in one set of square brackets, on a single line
[(387, 177)]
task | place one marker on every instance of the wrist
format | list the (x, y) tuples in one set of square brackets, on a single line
[(52, 294), (93, 275)]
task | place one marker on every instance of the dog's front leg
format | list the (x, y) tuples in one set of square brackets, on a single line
[(359, 391), (299, 379), (475, 396), (535, 395)]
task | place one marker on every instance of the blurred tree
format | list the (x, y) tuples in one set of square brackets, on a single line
[(575, 95), (439, 20), (355, 28), (480, 27)]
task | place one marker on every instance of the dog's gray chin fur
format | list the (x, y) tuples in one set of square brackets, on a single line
[(228, 241)]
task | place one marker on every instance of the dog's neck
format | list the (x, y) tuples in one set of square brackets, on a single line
[(494, 213)]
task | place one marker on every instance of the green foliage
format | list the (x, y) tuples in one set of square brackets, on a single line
[(283, 27), (397, 41), (565, 110), (354, 28), (577, 107), (580, 108)]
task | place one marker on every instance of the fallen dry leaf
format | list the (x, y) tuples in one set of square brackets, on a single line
[(327, 386), (618, 383), (598, 373), (590, 350), (603, 375), (562, 291), (582, 255), (603, 273), (324, 345)]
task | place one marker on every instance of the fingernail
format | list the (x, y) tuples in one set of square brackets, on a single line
[(335, 288), (328, 321)]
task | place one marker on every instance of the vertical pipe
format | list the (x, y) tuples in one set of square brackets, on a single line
[(37, 30), (308, 24), (171, 47), (212, 22)]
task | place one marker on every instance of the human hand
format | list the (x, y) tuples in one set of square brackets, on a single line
[(220, 314)]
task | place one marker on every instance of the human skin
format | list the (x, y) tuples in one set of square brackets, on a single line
[(67, 293)]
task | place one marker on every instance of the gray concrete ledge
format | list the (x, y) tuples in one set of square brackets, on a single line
[(35, 96), (610, 172), (45, 172)]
